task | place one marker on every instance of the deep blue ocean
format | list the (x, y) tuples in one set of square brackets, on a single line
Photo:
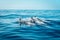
[(10, 28)]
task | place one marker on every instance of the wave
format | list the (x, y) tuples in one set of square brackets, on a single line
[(10, 28)]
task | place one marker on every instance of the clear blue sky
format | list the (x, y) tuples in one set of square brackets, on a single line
[(30, 4)]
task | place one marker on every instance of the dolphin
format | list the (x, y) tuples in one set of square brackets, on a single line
[(27, 21), (33, 21)]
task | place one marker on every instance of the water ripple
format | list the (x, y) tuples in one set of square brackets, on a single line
[(10, 28)]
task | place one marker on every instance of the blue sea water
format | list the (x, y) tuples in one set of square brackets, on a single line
[(10, 28)]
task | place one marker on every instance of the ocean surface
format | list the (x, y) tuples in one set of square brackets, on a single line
[(10, 28)]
